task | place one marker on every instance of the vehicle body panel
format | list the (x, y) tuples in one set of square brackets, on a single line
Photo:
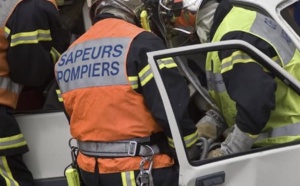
[(47, 134), (274, 166)]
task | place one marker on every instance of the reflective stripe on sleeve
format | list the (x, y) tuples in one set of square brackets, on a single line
[(146, 73), (59, 95), (134, 82), (241, 57), (8, 84), (30, 37), (236, 57), (12, 142), (283, 131), (6, 32), (189, 140), (55, 54)]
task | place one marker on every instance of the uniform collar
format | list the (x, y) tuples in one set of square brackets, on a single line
[(100, 17), (223, 9)]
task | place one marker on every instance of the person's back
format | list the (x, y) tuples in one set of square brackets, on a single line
[(29, 44), (261, 107), (113, 102)]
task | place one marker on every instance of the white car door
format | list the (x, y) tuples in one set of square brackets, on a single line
[(271, 166), (47, 135)]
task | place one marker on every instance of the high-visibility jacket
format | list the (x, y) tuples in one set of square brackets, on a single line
[(9, 90), (284, 123), (98, 94), (19, 39)]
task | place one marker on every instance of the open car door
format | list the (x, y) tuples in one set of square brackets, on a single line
[(268, 166)]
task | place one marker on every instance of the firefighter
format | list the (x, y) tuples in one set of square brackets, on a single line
[(116, 112), (258, 107), (30, 43)]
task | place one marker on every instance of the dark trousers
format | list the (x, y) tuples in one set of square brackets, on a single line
[(162, 177), (13, 170)]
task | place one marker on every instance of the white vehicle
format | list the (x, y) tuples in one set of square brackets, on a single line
[(47, 132)]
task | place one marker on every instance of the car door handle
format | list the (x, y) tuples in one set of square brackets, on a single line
[(211, 179)]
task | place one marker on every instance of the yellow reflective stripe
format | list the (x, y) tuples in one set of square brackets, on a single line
[(6, 32), (30, 37), (5, 172), (166, 62), (253, 136), (12, 142), (59, 95), (236, 57), (283, 131), (241, 57), (276, 59), (133, 81), (189, 140), (55, 54), (171, 142), (128, 178), (146, 73)]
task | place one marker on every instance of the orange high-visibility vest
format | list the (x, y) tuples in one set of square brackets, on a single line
[(9, 90), (98, 96)]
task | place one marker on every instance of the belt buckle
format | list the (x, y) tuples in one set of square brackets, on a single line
[(132, 148)]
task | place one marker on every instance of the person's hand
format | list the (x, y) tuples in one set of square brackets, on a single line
[(215, 153), (211, 125), (206, 130), (236, 141)]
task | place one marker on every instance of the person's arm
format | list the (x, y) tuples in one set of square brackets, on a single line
[(249, 85), (253, 89), (176, 87), (36, 40)]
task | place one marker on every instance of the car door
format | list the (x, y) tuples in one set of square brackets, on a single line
[(269, 166)]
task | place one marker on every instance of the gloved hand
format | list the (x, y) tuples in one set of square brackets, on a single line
[(211, 125), (215, 153), (236, 141)]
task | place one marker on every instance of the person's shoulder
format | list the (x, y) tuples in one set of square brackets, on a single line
[(45, 5), (148, 41), (37, 5), (146, 35)]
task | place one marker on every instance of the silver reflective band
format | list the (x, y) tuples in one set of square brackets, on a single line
[(215, 82), (269, 29), (284, 131), (116, 149)]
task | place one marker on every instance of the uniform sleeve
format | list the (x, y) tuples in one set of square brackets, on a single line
[(175, 84), (250, 85), (36, 40)]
